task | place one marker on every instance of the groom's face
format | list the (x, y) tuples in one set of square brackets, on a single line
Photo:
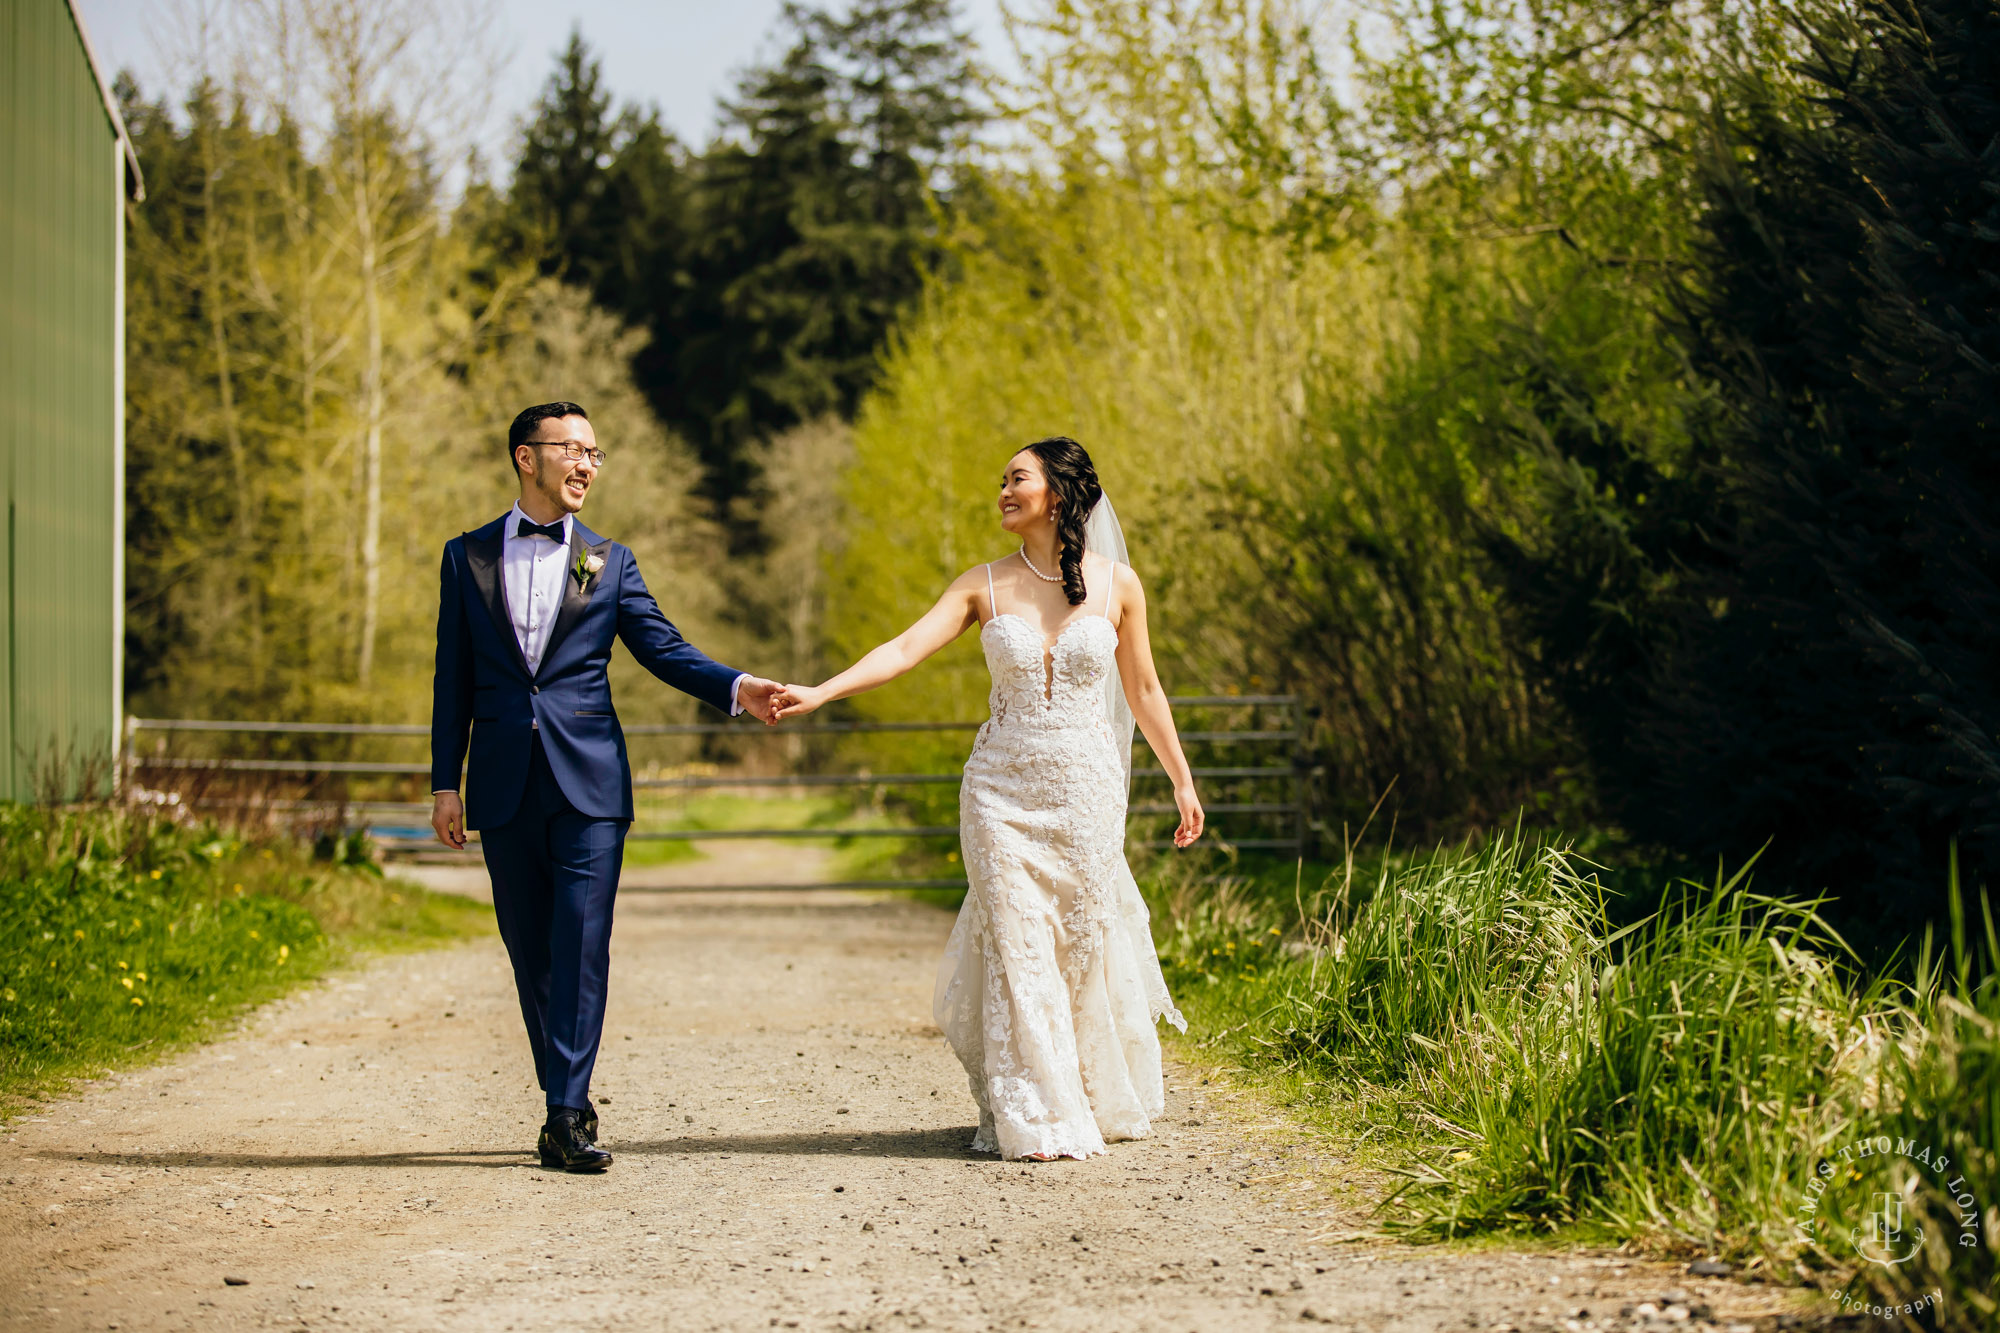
[(547, 471)]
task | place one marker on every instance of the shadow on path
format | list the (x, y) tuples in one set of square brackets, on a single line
[(925, 1144), (913, 1144), (481, 1157)]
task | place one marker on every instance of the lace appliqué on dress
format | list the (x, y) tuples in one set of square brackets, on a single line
[(1050, 986)]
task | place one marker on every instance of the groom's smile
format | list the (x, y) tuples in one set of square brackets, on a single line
[(559, 462)]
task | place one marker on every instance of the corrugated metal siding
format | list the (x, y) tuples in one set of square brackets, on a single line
[(60, 192)]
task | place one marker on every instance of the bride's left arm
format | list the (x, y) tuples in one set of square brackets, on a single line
[(954, 613), (1149, 703)]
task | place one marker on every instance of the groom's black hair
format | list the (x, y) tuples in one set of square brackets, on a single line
[(531, 417)]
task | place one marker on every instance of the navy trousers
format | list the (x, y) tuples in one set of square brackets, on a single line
[(555, 878)]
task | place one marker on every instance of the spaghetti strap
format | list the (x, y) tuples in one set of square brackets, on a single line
[(1109, 583), (992, 607)]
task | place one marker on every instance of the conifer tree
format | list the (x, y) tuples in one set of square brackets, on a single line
[(813, 220), (558, 190), (1816, 593), (769, 268), (596, 198)]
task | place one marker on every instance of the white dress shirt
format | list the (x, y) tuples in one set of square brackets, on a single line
[(535, 573)]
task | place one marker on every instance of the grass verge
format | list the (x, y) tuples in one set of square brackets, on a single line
[(1691, 1081), (126, 934)]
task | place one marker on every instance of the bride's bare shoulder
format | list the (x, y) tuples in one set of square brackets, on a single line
[(974, 577), (1128, 592), (972, 583), (1096, 566)]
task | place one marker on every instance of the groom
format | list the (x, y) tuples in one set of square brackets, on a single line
[(528, 608)]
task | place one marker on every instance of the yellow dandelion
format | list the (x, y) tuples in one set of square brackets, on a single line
[(126, 982), (284, 952), (156, 874), (140, 975), (137, 1000), (239, 890), (124, 966), (255, 936), (79, 934)]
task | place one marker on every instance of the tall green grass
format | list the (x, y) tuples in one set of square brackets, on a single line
[(1439, 945), (1941, 1090), (1679, 1081), (125, 934)]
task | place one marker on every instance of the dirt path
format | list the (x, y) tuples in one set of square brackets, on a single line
[(791, 1141), (727, 862)]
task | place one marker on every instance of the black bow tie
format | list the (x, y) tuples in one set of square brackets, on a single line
[(554, 531)]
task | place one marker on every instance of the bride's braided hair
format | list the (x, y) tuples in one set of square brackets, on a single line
[(1074, 481)]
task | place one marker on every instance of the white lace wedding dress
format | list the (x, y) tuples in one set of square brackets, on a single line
[(1050, 986)]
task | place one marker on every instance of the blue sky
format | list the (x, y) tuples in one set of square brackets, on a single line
[(677, 54)]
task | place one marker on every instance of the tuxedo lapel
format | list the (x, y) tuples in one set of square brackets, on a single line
[(482, 559), (576, 596)]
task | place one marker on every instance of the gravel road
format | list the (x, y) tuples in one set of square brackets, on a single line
[(791, 1138)]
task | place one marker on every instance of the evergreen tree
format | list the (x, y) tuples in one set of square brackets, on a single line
[(814, 221), (1818, 591), (770, 268), (596, 199), (557, 195)]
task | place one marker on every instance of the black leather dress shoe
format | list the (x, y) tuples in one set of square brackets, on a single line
[(564, 1147), (588, 1122)]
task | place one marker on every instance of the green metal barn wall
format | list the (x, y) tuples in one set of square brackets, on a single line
[(61, 188)]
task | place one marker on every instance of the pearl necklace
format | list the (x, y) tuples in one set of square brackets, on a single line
[(1046, 578)]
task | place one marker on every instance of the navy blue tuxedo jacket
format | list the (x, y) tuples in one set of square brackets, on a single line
[(483, 688)]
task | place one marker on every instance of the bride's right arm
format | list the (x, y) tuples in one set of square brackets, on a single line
[(954, 613)]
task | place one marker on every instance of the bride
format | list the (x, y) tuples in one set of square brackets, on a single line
[(1050, 987)]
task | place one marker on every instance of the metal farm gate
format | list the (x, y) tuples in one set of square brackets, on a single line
[(1254, 806)]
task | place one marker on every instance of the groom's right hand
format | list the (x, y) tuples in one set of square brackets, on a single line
[(448, 819)]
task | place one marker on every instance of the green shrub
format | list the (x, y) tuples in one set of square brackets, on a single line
[(125, 933), (1681, 1080)]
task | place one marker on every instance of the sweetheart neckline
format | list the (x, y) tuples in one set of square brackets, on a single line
[(1048, 644)]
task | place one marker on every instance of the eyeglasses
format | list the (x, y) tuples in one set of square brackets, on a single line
[(572, 450)]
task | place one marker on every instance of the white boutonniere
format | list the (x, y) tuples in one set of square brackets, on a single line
[(587, 566)]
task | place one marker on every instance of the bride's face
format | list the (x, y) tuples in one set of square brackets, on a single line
[(1026, 501)]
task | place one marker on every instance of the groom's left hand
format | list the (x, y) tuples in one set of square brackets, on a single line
[(756, 695)]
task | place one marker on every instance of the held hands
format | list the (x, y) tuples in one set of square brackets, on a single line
[(1191, 816), (756, 695), (772, 703), (796, 701)]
